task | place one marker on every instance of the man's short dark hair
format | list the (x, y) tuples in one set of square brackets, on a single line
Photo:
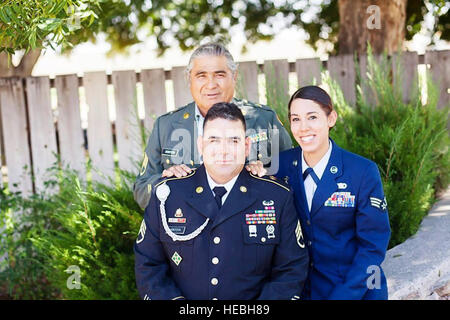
[(225, 110)]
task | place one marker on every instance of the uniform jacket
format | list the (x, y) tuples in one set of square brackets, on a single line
[(347, 231), (173, 141), (241, 253)]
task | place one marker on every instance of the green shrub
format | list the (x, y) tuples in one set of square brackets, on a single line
[(22, 275), (92, 227)]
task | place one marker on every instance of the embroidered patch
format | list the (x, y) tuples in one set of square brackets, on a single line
[(299, 235), (141, 234), (378, 203), (340, 199), (176, 258), (144, 164)]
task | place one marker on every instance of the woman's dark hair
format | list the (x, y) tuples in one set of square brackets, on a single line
[(315, 94), (224, 110)]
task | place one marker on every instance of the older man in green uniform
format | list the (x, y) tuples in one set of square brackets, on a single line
[(171, 149)]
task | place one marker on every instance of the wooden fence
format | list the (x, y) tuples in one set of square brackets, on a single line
[(32, 132)]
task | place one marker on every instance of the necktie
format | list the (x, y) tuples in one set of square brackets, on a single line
[(310, 171), (218, 194)]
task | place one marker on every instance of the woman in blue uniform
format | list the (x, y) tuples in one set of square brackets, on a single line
[(341, 203)]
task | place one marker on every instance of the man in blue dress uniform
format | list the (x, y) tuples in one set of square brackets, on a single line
[(221, 232)]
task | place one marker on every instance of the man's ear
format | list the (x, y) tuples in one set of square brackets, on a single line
[(248, 146), (235, 76), (200, 145)]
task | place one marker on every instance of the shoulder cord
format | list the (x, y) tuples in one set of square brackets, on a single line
[(162, 192)]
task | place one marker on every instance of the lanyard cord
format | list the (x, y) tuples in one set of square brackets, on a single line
[(162, 192)]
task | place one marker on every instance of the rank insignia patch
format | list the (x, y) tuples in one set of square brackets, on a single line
[(341, 199), (176, 258), (378, 203), (141, 234)]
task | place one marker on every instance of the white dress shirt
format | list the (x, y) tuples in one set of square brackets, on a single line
[(228, 186), (319, 168), (199, 119)]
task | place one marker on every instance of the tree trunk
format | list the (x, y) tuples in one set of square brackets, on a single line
[(378, 22), (25, 67)]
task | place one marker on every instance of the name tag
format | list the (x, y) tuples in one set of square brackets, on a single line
[(177, 229), (169, 152)]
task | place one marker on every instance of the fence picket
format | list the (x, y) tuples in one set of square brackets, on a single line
[(408, 77), (42, 130), (180, 87), (342, 70), (100, 142), (70, 133), (153, 84), (247, 85), (277, 81), (15, 136), (128, 133), (308, 71), (439, 62)]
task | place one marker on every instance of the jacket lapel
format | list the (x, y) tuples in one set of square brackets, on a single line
[(240, 198), (328, 185), (297, 180)]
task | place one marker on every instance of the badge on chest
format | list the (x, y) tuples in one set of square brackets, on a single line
[(341, 199)]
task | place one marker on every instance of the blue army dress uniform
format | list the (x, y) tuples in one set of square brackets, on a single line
[(347, 231), (168, 144), (251, 248)]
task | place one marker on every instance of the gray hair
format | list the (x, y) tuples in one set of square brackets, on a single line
[(212, 49)]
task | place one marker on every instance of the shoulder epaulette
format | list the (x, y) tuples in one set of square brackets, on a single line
[(272, 179), (176, 110), (176, 178)]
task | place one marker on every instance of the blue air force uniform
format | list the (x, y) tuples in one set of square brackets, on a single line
[(251, 248), (347, 230)]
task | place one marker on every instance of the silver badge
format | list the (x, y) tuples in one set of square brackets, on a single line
[(268, 203), (252, 230), (333, 169), (294, 163), (270, 231), (342, 185)]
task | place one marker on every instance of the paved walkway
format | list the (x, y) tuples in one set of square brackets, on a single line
[(419, 268)]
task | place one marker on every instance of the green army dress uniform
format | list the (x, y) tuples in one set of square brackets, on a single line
[(173, 141)]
